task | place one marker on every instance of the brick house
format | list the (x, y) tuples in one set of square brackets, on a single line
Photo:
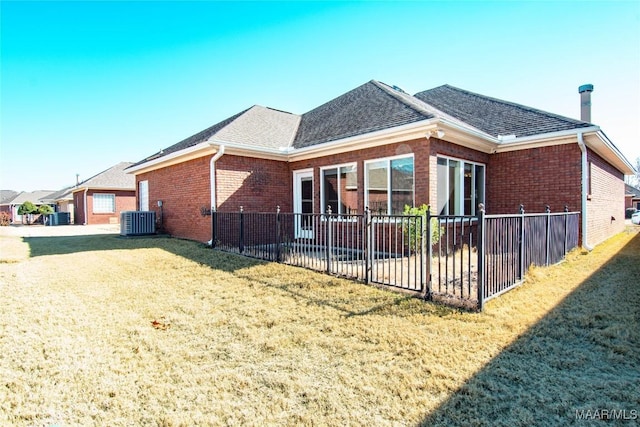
[(101, 198), (632, 197), (12, 200), (379, 147)]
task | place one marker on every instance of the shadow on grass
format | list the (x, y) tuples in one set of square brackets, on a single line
[(578, 365), (227, 262)]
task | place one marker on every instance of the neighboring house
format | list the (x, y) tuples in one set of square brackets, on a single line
[(101, 198), (379, 147), (63, 200), (12, 203), (631, 197)]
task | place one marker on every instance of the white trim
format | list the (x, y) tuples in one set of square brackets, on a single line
[(460, 200), (323, 202), (298, 175)]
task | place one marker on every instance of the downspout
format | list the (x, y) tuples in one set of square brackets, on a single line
[(585, 189), (212, 175), (86, 218), (212, 182)]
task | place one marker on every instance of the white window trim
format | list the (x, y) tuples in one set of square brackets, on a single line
[(461, 178), (388, 160), (323, 205), (103, 194)]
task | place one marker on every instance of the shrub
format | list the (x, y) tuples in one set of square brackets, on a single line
[(5, 219), (415, 238)]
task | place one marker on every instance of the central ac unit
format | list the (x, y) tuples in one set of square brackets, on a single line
[(137, 223)]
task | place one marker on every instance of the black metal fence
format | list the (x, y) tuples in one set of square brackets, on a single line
[(462, 260), (510, 244)]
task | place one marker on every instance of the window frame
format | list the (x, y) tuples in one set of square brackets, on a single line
[(460, 197), (113, 197), (143, 190), (323, 202), (388, 161)]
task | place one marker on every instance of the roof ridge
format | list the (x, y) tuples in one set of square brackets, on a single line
[(395, 93), (425, 108), (510, 103)]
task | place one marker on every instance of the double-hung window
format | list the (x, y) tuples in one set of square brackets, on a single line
[(339, 189), (389, 185), (104, 203), (460, 186)]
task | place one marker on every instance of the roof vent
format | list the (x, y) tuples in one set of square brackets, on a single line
[(398, 88)]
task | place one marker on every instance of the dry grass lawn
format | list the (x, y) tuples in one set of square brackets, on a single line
[(102, 330)]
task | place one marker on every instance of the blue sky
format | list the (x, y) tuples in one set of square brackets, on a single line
[(85, 85)]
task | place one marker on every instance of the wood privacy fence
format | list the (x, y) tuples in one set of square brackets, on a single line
[(459, 260)]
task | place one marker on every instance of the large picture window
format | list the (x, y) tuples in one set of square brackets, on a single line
[(104, 203), (460, 186), (389, 185), (340, 189)]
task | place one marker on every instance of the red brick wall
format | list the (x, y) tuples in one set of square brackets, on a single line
[(606, 200), (255, 184), (125, 201), (258, 185), (535, 178)]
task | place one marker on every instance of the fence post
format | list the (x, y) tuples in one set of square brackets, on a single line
[(278, 236), (521, 244), (425, 256), (328, 239), (214, 231), (547, 209), (566, 225), (367, 245), (241, 237), (481, 257)]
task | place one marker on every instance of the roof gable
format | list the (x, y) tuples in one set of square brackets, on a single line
[(367, 108), (494, 116)]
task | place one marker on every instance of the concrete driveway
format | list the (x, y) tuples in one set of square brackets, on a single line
[(58, 230)]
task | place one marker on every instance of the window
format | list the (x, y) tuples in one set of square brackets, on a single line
[(340, 189), (143, 195), (460, 186), (389, 185), (104, 203)]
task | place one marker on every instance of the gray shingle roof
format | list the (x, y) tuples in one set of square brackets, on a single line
[(6, 196), (632, 190), (367, 108), (261, 127), (376, 106), (494, 116), (35, 197), (115, 177), (257, 126)]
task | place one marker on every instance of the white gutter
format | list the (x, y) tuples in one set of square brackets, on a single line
[(585, 189), (212, 175)]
